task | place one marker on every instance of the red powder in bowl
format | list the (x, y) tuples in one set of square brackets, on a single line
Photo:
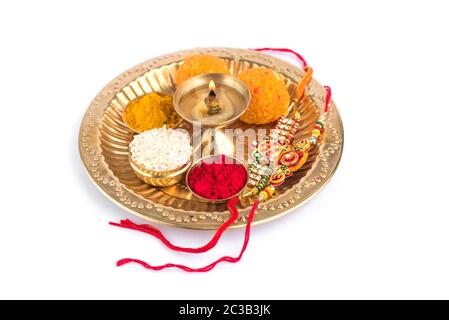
[(217, 178)]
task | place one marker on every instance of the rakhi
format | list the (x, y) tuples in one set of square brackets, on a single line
[(288, 159)]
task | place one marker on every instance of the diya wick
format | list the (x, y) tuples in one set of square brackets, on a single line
[(211, 100)]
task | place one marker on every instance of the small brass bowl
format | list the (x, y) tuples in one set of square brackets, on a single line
[(196, 163), (162, 94), (159, 178)]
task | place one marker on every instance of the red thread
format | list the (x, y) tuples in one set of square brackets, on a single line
[(328, 98), (155, 232), (304, 63), (213, 264)]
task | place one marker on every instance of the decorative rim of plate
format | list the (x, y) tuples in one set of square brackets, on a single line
[(317, 177)]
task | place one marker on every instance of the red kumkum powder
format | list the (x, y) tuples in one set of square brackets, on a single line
[(220, 179)]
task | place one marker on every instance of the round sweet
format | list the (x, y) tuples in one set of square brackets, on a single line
[(199, 64), (269, 96)]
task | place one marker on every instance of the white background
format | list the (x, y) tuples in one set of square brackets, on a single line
[(378, 230)]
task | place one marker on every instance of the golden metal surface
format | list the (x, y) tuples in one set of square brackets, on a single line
[(104, 140)]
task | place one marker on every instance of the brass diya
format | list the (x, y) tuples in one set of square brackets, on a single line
[(104, 140)]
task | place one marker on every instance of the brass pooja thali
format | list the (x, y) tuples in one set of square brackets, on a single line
[(104, 141)]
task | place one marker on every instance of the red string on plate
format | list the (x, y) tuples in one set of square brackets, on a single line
[(213, 264)]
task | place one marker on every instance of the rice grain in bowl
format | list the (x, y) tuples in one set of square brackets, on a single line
[(160, 156)]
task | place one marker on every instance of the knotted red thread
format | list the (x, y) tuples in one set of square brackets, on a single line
[(155, 232), (209, 267), (304, 63)]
